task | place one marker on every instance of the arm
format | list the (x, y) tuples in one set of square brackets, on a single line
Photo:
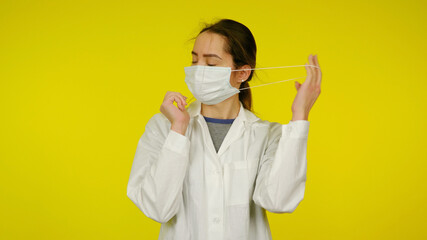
[(158, 170), (280, 183)]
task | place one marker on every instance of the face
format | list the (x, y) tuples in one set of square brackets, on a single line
[(208, 50)]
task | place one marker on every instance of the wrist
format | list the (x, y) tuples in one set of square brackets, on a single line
[(179, 127), (299, 116)]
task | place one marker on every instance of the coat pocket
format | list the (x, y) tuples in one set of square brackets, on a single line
[(238, 219), (236, 181)]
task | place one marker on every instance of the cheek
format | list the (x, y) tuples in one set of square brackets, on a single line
[(234, 81)]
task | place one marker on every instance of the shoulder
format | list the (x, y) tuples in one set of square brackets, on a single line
[(293, 129), (158, 124), (272, 129), (258, 123), (158, 118)]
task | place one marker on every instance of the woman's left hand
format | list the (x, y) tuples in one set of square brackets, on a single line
[(308, 91)]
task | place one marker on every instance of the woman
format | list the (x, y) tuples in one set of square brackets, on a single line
[(209, 171)]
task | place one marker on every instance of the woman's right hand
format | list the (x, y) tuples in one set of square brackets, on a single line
[(178, 116)]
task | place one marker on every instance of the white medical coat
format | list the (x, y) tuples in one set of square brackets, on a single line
[(199, 194)]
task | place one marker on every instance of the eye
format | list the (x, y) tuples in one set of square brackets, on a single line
[(211, 65)]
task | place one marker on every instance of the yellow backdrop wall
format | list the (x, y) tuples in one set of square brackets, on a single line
[(80, 79)]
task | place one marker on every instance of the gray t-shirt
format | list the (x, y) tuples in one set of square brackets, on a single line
[(218, 128)]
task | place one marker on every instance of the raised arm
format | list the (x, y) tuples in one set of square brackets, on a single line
[(280, 183)]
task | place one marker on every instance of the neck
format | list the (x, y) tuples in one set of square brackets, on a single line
[(227, 109)]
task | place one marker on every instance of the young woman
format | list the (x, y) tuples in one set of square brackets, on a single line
[(211, 170)]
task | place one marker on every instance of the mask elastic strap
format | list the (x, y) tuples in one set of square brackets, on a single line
[(276, 67), (271, 83)]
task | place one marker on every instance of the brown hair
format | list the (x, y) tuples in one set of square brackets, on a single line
[(240, 43)]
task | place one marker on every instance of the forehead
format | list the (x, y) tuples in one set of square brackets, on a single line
[(208, 42)]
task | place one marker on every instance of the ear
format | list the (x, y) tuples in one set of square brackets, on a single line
[(244, 75)]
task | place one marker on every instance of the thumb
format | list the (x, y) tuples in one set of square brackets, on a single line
[(297, 85)]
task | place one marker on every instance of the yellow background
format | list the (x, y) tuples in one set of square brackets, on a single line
[(80, 79)]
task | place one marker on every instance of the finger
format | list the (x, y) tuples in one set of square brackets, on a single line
[(184, 99), (180, 97), (179, 100), (167, 95), (182, 102), (175, 98), (179, 103), (170, 98), (183, 96), (316, 61), (309, 74), (319, 71), (313, 72), (315, 69)]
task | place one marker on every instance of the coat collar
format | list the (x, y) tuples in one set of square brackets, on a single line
[(194, 110)]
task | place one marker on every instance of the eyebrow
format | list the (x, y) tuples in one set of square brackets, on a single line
[(207, 55)]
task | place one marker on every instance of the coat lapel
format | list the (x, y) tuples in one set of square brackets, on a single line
[(236, 130)]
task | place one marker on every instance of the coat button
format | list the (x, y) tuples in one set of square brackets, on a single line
[(216, 220)]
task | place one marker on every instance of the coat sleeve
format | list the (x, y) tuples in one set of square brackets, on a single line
[(281, 178), (158, 170)]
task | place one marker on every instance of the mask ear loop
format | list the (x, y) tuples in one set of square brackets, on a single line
[(275, 81), (277, 67), (271, 83), (190, 101)]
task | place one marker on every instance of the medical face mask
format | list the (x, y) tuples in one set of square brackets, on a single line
[(211, 84)]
